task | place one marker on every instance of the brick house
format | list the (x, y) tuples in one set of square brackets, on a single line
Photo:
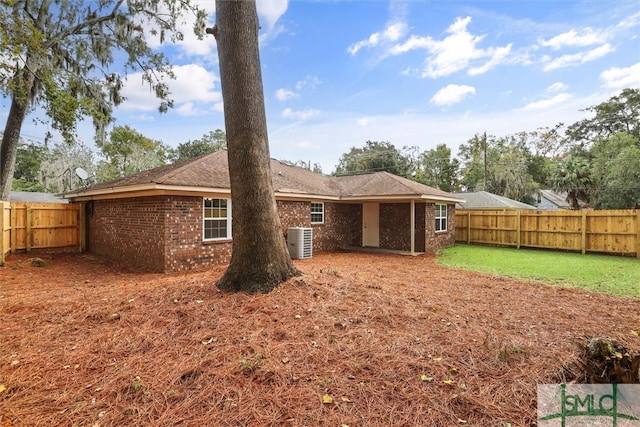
[(179, 217)]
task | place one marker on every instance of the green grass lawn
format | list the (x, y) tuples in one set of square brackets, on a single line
[(610, 274)]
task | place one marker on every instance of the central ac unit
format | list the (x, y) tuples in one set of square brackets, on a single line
[(300, 242)]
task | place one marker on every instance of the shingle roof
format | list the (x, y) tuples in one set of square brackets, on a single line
[(31, 197), (486, 200), (558, 199), (212, 171), (382, 184)]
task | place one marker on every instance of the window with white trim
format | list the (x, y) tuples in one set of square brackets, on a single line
[(317, 213), (216, 219), (441, 217)]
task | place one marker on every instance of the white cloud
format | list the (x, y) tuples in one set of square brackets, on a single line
[(284, 94), (498, 56), (557, 87), (190, 44), (578, 58), (300, 114), (306, 145), (392, 33), (620, 78), (455, 52), (193, 84), (452, 94), (365, 121), (546, 104), (586, 37), (187, 109), (310, 81), (271, 10)]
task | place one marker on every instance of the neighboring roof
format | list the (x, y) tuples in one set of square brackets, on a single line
[(31, 197), (558, 199), (486, 200), (210, 173)]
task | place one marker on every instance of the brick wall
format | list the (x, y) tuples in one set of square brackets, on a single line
[(185, 247), (342, 227), (442, 239), (395, 225), (129, 231), (342, 223), (164, 233)]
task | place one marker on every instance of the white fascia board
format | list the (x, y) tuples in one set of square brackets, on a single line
[(305, 196), (105, 193)]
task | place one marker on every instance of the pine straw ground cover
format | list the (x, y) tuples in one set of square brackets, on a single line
[(359, 340)]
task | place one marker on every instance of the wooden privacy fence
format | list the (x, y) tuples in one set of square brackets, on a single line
[(41, 226), (610, 231)]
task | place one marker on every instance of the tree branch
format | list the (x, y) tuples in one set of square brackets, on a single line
[(88, 23)]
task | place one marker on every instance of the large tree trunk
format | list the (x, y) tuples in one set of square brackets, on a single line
[(9, 147), (260, 260)]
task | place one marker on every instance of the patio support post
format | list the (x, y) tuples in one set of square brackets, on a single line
[(413, 227)]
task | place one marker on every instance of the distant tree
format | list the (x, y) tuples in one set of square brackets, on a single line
[(260, 260), (127, 151), (573, 176), (60, 54), (29, 159), (437, 169), (499, 165), (210, 142), (615, 171), (621, 113), (316, 167), (378, 156), (476, 155), (58, 168)]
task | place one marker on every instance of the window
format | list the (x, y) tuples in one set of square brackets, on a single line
[(441, 217), (317, 213), (217, 219)]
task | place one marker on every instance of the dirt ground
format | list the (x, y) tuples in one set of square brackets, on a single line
[(359, 340)]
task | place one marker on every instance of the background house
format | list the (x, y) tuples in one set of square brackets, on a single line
[(33, 197), (179, 217), (483, 200)]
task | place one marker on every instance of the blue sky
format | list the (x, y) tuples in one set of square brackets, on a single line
[(415, 73)]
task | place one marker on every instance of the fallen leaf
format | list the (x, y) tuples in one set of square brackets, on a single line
[(210, 341), (448, 382), (423, 377), (453, 371), (437, 359), (2, 388), (635, 333), (461, 421), (327, 399), (345, 399)]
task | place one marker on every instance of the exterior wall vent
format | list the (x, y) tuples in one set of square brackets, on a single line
[(300, 242)]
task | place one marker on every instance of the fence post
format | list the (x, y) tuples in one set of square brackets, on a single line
[(638, 234), (27, 224), (1, 233), (14, 229), (468, 227), (82, 227), (584, 232), (518, 228)]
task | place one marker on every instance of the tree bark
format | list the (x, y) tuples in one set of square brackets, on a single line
[(260, 260), (9, 147)]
